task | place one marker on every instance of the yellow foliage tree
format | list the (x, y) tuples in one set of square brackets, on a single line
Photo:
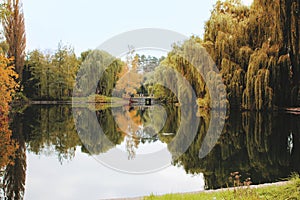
[(7, 89)]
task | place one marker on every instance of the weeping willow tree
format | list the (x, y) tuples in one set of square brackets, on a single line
[(257, 51), (189, 66), (99, 73), (166, 77), (186, 59)]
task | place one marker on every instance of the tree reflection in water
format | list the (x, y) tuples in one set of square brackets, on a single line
[(258, 145), (15, 172), (263, 146)]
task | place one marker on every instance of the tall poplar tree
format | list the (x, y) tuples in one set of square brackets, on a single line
[(14, 31)]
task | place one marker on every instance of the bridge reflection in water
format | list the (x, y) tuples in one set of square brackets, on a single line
[(142, 100)]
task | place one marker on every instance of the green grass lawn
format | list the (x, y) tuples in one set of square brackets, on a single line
[(288, 191), (96, 99)]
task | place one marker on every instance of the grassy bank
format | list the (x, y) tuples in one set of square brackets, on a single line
[(96, 99), (289, 190)]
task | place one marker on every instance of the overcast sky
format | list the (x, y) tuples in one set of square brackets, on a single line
[(86, 24)]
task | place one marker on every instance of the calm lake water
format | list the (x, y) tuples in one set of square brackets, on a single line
[(56, 162)]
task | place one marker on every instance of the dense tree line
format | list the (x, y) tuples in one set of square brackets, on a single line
[(50, 76), (53, 76), (255, 48), (258, 59)]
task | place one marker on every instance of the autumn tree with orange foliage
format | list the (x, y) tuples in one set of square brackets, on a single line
[(7, 89), (130, 80)]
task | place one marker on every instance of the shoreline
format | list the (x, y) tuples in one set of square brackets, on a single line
[(290, 110), (281, 183)]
